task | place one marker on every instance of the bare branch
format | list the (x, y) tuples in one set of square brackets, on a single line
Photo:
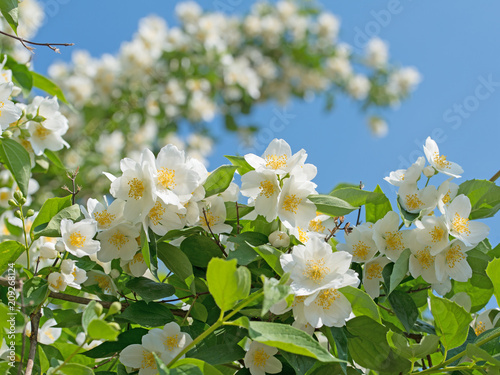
[(24, 42)]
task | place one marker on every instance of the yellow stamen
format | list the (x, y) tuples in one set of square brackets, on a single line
[(76, 239), (437, 234), (326, 297), (291, 203), (316, 270), (104, 218), (148, 360), (454, 255), (166, 177), (413, 202), (373, 271), (266, 188), (460, 224), (172, 342), (136, 188), (394, 240), (156, 213), (260, 358), (316, 226), (276, 162), (441, 161), (118, 239)]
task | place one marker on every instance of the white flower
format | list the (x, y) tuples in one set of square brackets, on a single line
[(103, 281), (321, 224), (389, 239), (279, 239), (141, 357), (164, 217), (376, 53), (432, 231), (378, 126), (260, 359), (137, 266), (212, 212), (459, 225), (327, 307), (77, 237), (452, 262), (9, 112), (188, 11), (105, 215), (118, 242), (48, 125), (422, 263), (57, 282), (486, 321), (447, 191), (314, 266), (439, 161), (170, 338), (135, 186), (359, 243), (359, 87), (263, 188), (277, 157), (47, 335), (48, 250), (372, 275), (74, 275), (416, 200), (407, 176), (294, 209), (403, 81)]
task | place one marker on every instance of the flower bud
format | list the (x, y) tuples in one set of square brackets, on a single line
[(114, 273), (115, 308), (12, 203), (429, 171), (29, 116), (39, 118), (98, 309), (60, 246), (7, 134), (30, 213), (18, 195), (279, 239), (47, 250), (114, 325), (18, 214), (67, 266)]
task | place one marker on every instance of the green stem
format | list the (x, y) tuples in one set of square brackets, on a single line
[(439, 368), (23, 219), (66, 361), (427, 183), (216, 325)]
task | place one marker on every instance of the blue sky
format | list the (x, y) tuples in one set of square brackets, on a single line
[(454, 44)]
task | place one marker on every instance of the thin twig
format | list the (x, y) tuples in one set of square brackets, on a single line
[(385, 308), (413, 290), (359, 210), (186, 297), (35, 321), (237, 218), (106, 361), (24, 42), (495, 177), (76, 188), (212, 233)]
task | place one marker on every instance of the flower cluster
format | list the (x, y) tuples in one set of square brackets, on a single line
[(212, 64)]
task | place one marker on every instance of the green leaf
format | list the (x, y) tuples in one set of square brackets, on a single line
[(53, 228), (21, 76), (9, 252), (89, 314), (332, 206), (10, 12), (175, 260), (408, 218), (49, 209), (362, 304), (493, 271), (107, 349), (102, 330), (404, 307), (241, 163), (301, 364), (162, 368), (75, 369), (232, 214), (400, 269), (339, 335), (357, 197), (52, 156), (218, 354), (474, 352), (369, 348), (428, 345), (17, 160), (451, 322), (400, 344), (244, 242), (226, 283), (290, 339), (219, 180), (35, 291), (484, 197), (183, 366), (271, 256), (200, 249), (274, 292), (150, 290), (375, 212), (151, 252), (48, 86), (149, 315)]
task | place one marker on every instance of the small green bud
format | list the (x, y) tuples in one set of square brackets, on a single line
[(39, 118), (114, 325), (29, 116), (98, 309), (22, 201), (18, 214), (30, 213), (115, 308), (7, 134), (12, 203), (18, 195)]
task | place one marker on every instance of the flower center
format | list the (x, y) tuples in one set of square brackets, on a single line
[(291, 203), (156, 213), (41, 132), (373, 271), (136, 188), (394, 240), (58, 283), (412, 202), (453, 255), (361, 250), (460, 224), (316, 226), (480, 328), (76, 239), (437, 234), (276, 162), (316, 270), (104, 218), (211, 218), (441, 161), (138, 258), (326, 297), (260, 358), (303, 237), (166, 177), (425, 258), (103, 283), (447, 197), (148, 360), (266, 188), (172, 342), (118, 239), (4, 195)]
